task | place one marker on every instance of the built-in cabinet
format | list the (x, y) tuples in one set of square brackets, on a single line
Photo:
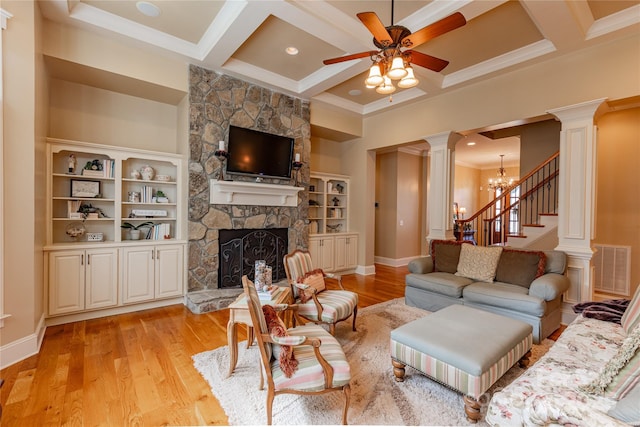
[(332, 246), (96, 194)]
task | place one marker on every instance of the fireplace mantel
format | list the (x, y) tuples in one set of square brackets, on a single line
[(252, 193)]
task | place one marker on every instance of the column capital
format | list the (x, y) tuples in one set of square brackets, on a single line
[(578, 112), (446, 139)]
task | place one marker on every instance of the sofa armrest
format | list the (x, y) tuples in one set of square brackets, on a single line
[(549, 286), (421, 265)]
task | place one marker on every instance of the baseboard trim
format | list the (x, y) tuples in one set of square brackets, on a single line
[(366, 270), (394, 262), (22, 348)]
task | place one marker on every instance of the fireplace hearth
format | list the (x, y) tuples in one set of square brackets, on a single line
[(240, 249)]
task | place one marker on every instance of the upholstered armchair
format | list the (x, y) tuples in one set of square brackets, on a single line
[(301, 360), (315, 302)]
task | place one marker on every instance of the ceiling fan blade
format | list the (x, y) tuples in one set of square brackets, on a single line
[(427, 61), (375, 27), (434, 30), (349, 57)]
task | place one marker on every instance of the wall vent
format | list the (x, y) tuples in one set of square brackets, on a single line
[(612, 269)]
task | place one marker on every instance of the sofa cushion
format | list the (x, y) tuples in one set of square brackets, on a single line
[(479, 262), (556, 262), (520, 267), (441, 283), (628, 408), (626, 379), (445, 255), (505, 295)]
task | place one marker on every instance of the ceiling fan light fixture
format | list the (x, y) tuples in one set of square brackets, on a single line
[(397, 70), (409, 80), (386, 88), (375, 77)]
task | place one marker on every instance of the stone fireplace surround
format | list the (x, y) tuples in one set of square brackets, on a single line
[(217, 101)]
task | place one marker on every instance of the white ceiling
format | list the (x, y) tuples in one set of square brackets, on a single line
[(247, 38)]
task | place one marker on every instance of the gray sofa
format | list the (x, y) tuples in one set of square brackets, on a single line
[(528, 285)]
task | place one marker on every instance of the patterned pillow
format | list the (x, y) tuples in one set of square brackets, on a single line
[(313, 279), (479, 262), (626, 351), (631, 317)]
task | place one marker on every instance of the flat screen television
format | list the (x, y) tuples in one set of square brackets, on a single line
[(256, 153)]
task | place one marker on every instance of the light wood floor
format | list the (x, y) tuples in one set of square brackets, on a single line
[(136, 369)]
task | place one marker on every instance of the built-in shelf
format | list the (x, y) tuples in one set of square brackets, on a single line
[(252, 193)]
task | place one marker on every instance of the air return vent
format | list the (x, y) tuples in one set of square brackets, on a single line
[(612, 269)]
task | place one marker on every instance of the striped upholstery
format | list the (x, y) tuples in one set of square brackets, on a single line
[(470, 385), (298, 264), (254, 300), (631, 317), (336, 306), (309, 375)]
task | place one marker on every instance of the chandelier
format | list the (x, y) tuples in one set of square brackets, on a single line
[(501, 183), (389, 65)]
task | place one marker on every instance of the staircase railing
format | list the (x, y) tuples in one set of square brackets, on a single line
[(522, 204)]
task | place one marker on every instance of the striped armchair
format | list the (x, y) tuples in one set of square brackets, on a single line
[(327, 306), (321, 365)]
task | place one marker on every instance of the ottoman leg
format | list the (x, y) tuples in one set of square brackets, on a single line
[(472, 409), (524, 361), (398, 370)]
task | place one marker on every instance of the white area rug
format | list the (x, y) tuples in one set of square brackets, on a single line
[(376, 398)]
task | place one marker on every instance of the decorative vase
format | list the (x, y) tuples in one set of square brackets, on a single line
[(135, 174), (134, 234), (147, 173)]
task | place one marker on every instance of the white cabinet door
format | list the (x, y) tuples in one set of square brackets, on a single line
[(138, 274), (346, 252), (352, 252), (169, 262), (322, 252), (101, 278), (66, 281)]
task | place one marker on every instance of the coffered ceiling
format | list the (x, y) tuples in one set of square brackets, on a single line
[(247, 38)]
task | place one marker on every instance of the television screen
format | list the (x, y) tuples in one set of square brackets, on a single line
[(252, 152)]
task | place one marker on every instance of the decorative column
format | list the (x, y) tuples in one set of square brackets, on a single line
[(576, 198), (441, 179)]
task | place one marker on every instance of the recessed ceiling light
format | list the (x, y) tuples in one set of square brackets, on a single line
[(355, 92), (148, 9), (471, 143), (291, 50)]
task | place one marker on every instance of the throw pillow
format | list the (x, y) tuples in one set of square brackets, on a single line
[(445, 255), (520, 267), (315, 280), (627, 378), (284, 353), (631, 317), (626, 351), (479, 262), (628, 408)]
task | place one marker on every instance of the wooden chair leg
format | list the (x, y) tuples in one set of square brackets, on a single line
[(270, 396), (524, 361), (332, 329), (355, 314), (347, 397), (472, 409)]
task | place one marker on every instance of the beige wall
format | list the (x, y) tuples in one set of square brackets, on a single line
[(466, 188), (618, 193), (85, 113), (325, 156), (386, 197), (23, 215)]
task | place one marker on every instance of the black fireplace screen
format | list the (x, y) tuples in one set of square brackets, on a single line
[(240, 249)]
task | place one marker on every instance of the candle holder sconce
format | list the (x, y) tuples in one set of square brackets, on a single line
[(296, 168), (222, 156)]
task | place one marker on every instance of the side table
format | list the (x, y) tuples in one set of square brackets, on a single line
[(239, 313)]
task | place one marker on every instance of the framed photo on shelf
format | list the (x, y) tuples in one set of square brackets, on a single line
[(84, 188)]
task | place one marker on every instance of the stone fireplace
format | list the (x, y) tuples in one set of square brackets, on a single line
[(217, 101)]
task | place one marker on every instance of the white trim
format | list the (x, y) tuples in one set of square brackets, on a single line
[(366, 270), (27, 346), (252, 193), (4, 15), (394, 262), (617, 21)]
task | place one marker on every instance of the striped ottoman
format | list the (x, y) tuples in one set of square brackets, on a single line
[(463, 348)]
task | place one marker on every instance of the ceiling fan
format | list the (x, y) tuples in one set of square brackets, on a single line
[(394, 58)]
